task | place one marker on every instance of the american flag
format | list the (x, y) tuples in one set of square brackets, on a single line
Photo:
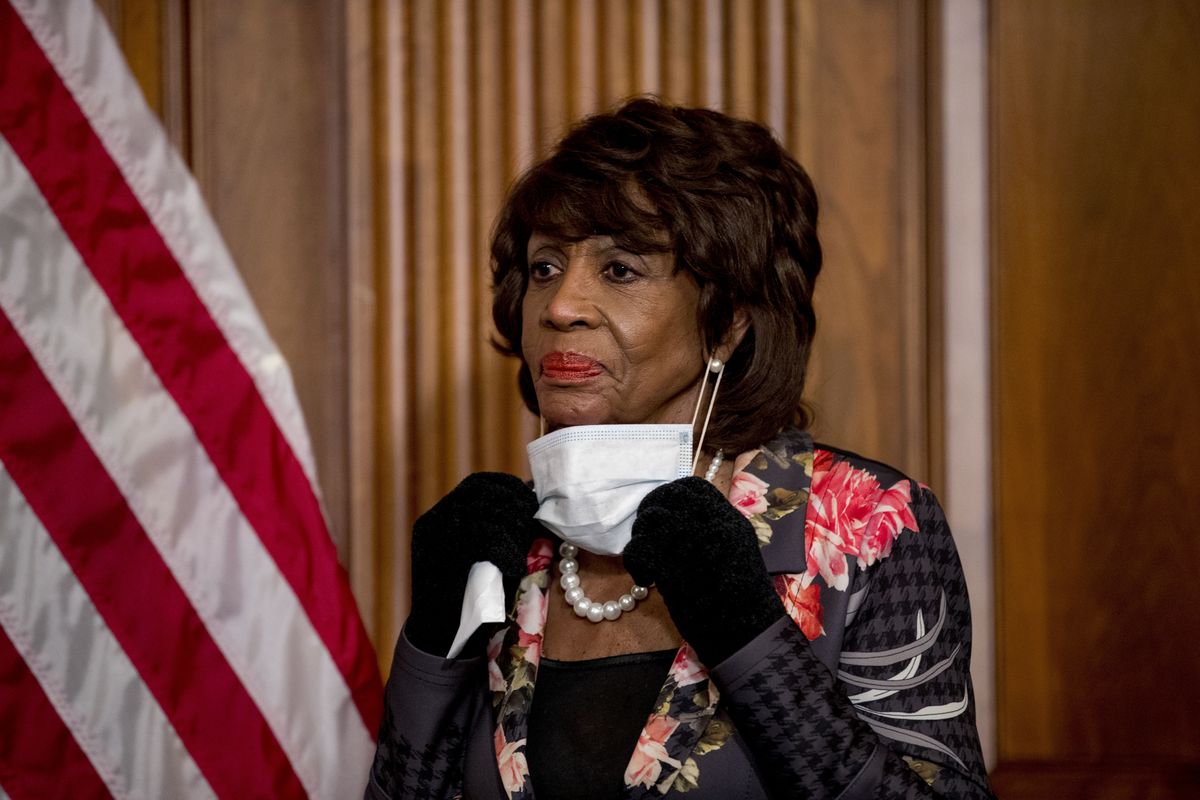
[(173, 619)]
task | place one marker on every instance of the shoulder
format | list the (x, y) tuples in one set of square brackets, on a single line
[(862, 494), (828, 457), (859, 509), (870, 520)]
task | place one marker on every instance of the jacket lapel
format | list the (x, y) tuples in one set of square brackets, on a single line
[(513, 671), (680, 719), (772, 491), (780, 474)]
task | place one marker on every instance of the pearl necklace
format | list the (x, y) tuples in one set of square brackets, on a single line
[(572, 586), (584, 605)]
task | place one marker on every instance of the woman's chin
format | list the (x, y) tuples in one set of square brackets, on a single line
[(555, 421), (566, 410), (566, 415)]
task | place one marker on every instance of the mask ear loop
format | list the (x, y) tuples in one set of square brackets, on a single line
[(714, 365)]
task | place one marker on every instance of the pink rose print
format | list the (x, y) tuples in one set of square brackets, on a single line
[(532, 642), (747, 493), (513, 767), (531, 613), (826, 557), (540, 554), (687, 668), (645, 767), (850, 515), (892, 516), (802, 603), (531, 621)]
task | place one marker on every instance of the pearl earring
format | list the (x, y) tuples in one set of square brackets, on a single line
[(717, 367)]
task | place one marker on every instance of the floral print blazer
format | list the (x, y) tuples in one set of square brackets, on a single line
[(862, 691)]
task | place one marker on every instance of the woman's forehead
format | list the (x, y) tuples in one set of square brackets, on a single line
[(642, 242), (599, 241)]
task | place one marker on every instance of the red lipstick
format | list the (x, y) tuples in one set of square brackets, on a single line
[(570, 366)]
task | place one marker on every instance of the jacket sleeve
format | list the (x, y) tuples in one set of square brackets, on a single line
[(897, 720), (431, 706)]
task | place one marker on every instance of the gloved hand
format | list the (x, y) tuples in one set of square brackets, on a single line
[(487, 517), (704, 557)]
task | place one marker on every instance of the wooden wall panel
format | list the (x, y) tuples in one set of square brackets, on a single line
[(369, 479), (861, 134), (1096, 114)]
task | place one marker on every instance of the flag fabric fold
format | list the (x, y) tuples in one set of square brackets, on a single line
[(173, 619)]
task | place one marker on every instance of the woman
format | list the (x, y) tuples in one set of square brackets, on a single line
[(792, 624)]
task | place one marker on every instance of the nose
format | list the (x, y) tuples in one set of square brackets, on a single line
[(572, 302)]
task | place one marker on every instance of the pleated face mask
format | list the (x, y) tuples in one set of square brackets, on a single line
[(590, 479)]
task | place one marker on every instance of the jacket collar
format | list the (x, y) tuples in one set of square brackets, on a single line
[(775, 486)]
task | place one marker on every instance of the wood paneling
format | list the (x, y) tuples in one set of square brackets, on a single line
[(1096, 114), (861, 134), (1039, 779), (367, 43)]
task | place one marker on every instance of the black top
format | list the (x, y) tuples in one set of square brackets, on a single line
[(585, 721)]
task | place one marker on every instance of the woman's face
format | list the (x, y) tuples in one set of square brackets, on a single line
[(609, 336)]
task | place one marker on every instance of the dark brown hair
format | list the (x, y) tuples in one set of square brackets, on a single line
[(721, 194)]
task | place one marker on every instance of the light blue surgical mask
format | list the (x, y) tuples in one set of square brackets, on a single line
[(590, 479)]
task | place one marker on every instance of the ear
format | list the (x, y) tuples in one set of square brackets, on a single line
[(735, 334)]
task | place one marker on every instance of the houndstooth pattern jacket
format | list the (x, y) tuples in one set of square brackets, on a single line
[(862, 690)]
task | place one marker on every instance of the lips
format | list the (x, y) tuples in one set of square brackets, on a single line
[(570, 366)]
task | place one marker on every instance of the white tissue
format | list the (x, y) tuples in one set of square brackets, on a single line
[(483, 601)]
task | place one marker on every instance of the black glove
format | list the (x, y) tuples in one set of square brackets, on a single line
[(704, 557), (487, 517)]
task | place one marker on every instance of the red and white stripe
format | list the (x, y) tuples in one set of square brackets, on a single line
[(175, 622)]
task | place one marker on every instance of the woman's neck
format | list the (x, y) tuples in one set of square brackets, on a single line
[(648, 627)]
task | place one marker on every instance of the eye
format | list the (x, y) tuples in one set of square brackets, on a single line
[(542, 271), (620, 272)]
